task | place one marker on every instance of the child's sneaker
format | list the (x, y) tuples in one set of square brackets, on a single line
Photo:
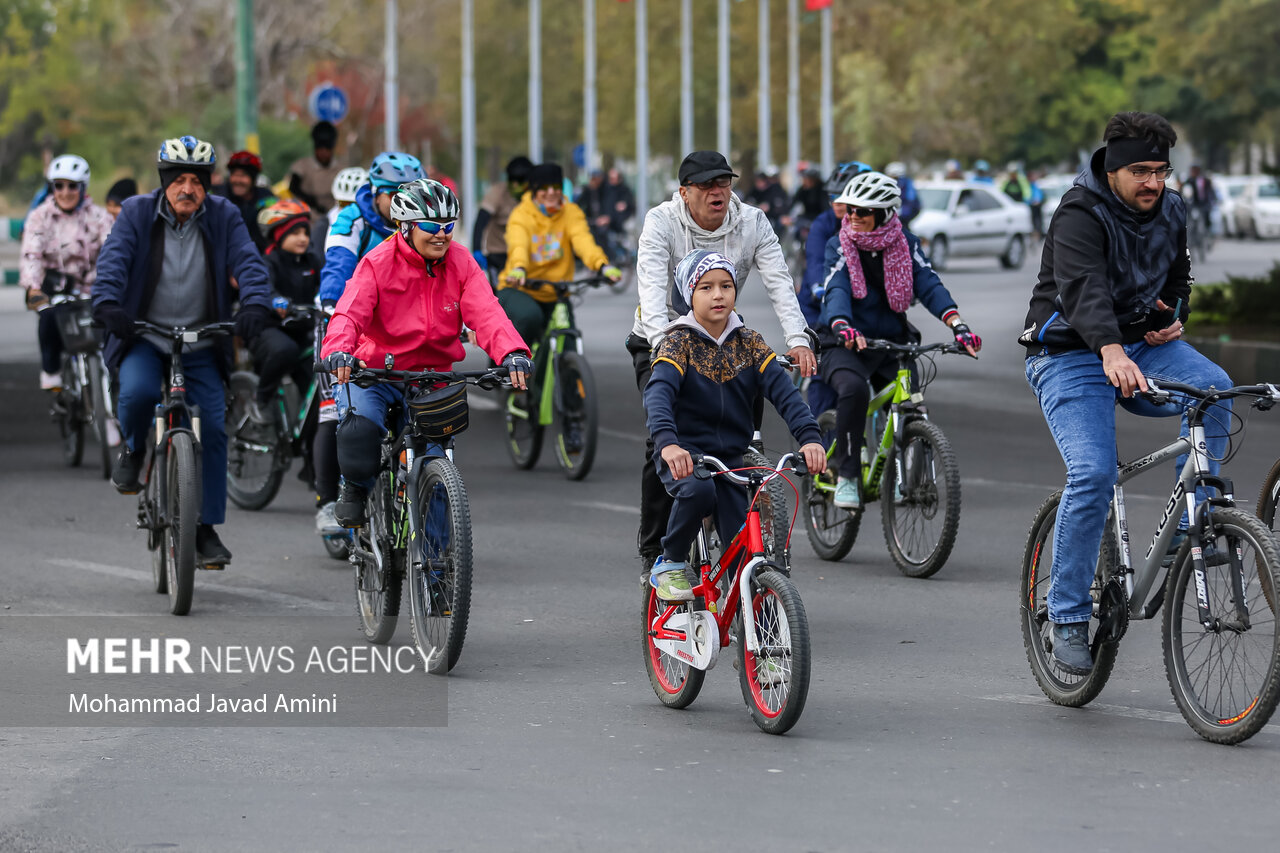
[(769, 671), (669, 579), (846, 496), (50, 381)]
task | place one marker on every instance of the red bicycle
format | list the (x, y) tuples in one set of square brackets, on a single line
[(682, 640)]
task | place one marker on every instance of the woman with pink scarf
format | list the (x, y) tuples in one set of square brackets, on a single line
[(875, 270)]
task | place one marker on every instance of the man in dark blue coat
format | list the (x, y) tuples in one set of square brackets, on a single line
[(170, 260)]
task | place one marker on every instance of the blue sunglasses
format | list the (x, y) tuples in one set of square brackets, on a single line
[(436, 227)]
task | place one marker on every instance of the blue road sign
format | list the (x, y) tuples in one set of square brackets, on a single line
[(328, 103)]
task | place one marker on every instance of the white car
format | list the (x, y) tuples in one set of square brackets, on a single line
[(1230, 188), (1257, 210), (1054, 188), (967, 219)]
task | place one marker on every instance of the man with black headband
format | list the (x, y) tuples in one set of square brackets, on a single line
[(1107, 311)]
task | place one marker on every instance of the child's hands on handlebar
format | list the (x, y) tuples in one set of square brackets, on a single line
[(815, 457), (678, 461)]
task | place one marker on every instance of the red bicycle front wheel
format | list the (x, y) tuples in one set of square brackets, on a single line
[(775, 678)]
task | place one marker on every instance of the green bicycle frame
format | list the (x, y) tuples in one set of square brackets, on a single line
[(892, 395), (561, 335)]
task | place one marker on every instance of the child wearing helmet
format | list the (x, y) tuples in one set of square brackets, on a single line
[(295, 278), (875, 270), (408, 300), (60, 244)]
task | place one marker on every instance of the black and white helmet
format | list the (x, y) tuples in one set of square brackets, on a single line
[(424, 199), (68, 167), (871, 189)]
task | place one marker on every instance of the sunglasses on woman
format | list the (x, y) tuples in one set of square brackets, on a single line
[(436, 227), (61, 186), (862, 212)]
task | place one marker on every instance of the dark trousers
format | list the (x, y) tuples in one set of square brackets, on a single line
[(528, 315), (324, 456), (655, 503), (849, 373), (276, 352), (693, 500), (50, 341)]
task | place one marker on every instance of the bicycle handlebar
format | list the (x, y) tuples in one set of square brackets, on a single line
[(707, 466), (1160, 392), (189, 336), (493, 377), (593, 280), (914, 349)]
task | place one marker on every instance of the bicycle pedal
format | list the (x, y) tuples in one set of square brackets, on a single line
[(212, 567)]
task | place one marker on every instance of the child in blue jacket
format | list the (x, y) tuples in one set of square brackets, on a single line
[(707, 373)]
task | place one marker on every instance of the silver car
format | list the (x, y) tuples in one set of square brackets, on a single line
[(971, 219)]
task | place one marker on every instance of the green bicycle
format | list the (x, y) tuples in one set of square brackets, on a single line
[(562, 392), (907, 464)]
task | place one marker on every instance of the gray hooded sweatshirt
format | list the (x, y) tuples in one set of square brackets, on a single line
[(745, 238)]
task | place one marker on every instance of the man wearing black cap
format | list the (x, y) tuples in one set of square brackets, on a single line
[(1106, 312), (703, 214), (311, 178), (169, 260)]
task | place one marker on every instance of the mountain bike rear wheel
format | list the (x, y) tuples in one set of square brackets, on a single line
[(440, 577), (378, 565), (524, 433), (674, 682), (254, 467), (578, 420), (98, 405), (1059, 686), (921, 518), (1225, 677), (831, 530), (775, 678), (775, 513), (71, 417), (182, 505)]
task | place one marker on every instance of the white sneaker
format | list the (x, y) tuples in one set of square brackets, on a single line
[(769, 671), (50, 381), (326, 524)]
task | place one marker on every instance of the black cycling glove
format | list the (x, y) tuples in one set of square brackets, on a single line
[(517, 363), (251, 320), (335, 360), (114, 319)]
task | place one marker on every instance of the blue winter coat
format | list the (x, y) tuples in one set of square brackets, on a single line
[(872, 315), (128, 269), (358, 228)]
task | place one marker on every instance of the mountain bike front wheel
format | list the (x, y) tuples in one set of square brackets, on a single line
[(71, 415), (155, 537), (775, 678), (254, 469), (830, 529), (1059, 686), (378, 567), (524, 433), (674, 682), (182, 504), (98, 404), (1225, 676), (775, 513), (921, 515), (440, 576), (578, 420), (1268, 501)]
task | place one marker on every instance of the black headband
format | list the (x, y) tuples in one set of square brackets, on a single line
[(1122, 152)]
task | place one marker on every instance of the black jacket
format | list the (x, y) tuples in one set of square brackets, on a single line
[(1103, 268), (295, 277)]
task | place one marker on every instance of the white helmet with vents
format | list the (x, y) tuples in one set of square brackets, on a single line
[(68, 167), (871, 189), (348, 181)]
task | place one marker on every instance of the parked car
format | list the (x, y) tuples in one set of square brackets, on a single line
[(967, 219), (1230, 188), (1054, 188), (1257, 211)]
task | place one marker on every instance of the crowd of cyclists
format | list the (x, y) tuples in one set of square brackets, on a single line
[(375, 250)]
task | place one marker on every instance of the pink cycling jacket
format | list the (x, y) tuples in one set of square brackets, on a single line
[(63, 242), (392, 305)]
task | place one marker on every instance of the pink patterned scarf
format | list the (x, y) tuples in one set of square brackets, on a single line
[(888, 238)]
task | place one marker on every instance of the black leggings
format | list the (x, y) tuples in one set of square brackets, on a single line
[(324, 457)]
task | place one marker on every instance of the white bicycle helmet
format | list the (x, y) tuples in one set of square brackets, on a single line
[(896, 169), (424, 199), (68, 167), (871, 189), (346, 182), (186, 152)]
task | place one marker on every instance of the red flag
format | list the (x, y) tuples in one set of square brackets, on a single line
[(815, 5)]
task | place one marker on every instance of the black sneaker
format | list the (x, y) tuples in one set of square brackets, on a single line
[(573, 441), (349, 510), (1071, 648), (128, 467), (210, 552)]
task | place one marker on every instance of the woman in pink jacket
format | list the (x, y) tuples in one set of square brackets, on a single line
[(60, 244), (408, 298)]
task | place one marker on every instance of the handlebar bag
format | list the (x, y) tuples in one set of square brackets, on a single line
[(439, 413)]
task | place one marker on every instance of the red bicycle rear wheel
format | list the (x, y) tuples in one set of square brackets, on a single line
[(675, 683)]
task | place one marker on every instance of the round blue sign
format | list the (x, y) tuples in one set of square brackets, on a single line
[(328, 103)]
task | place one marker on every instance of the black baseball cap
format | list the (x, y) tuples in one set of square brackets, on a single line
[(704, 166)]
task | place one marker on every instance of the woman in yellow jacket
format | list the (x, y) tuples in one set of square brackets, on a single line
[(544, 232)]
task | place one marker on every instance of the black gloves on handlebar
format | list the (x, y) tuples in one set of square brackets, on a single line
[(251, 320), (965, 336), (335, 360), (517, 363), (114, 319)]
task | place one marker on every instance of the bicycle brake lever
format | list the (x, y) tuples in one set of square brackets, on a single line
[(700, 471), (800, 466)]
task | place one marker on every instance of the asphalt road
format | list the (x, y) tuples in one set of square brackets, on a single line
[(923, 728)]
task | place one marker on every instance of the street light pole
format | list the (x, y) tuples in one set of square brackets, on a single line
[(246, 83), (828, 135), (470, 188), (763, 124), (391, 86), (793, 85), (535, 80), (686, 77), (642, 108), (723, 132), (589, 84)]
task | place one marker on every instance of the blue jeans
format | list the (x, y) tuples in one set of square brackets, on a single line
[(143, 374), (1079, 406)]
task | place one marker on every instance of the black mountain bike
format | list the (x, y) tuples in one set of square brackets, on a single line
[(83, 401), (419, 520), (169, 504)]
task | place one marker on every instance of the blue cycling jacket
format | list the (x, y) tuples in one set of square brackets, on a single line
[(358, 228)]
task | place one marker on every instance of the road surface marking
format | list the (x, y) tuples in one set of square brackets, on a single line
[(1110, 710), (623, 508), (246, 592)]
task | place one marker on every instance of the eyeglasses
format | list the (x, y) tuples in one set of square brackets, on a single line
[(436, 227), (722, 181), (862, 212), (60, 186), (1141, 174)]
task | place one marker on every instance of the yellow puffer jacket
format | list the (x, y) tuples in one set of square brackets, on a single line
[(544, 246)]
